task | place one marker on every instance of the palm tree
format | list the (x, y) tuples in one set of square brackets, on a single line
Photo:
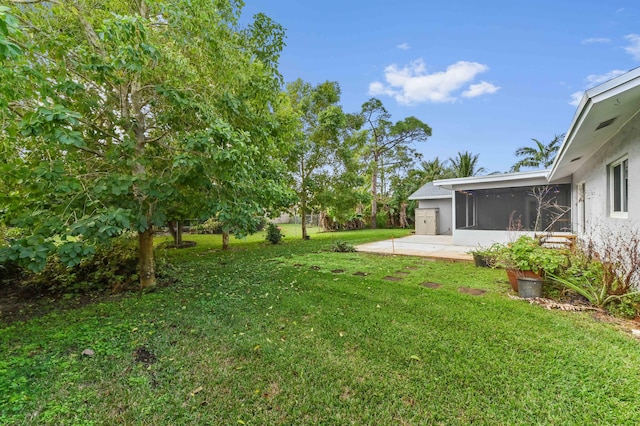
[(465, 165), (433, 170), (540, 155)]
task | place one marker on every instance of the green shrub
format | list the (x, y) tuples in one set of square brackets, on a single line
[(113, 267), (382, 220), (599, 283), (209, 226), (9, 269), (342, 247), (627, 307), (214, 226), (274, 236)]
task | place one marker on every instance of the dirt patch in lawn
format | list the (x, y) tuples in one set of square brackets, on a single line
[(360, 274), (144, 355), (337, 271), (24, 302), (315, 268), (401, 273)]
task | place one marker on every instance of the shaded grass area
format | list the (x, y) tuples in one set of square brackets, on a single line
[(268, 334)]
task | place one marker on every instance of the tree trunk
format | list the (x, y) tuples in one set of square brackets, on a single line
[(225, 240), (403, 216), (303, 213), (175, 229), (172, 230), (146, 261), (374, 194), (323, 221)]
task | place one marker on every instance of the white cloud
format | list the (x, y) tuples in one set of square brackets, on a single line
[(414, 84), (482, 88), (634, 46), (403, 46), (596, 40), (593, 80), (576, 98)]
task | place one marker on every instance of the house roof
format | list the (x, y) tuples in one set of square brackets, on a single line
[(536, 177), (602, 112), (429, 191)]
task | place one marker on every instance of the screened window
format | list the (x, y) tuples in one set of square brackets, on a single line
[(532, 208), (618, 194)]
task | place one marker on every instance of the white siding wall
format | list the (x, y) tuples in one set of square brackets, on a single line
[(446, 214), (594, 174)]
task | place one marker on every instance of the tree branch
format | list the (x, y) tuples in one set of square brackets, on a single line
[(88, 29), (33, 1)]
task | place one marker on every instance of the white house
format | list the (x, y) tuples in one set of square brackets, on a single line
[(601, 156), (590, 184)]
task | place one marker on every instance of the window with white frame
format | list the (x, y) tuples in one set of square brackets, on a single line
[(619, 187)]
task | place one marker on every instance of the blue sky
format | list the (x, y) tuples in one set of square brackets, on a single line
[(487, 76)]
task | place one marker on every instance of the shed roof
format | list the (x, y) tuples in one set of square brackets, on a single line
[(429, 191)]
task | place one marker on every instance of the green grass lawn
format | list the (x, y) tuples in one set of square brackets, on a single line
[(268, 334)]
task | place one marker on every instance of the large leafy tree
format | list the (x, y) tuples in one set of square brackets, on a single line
[(317, 141), (115, 112), (340, 184), (389, 144), (540, 155)]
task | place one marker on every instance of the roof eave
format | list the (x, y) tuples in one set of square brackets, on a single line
[(431, 197), (505, 177)]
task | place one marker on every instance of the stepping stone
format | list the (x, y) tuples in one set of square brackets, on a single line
[(472, 291), (431, 285), (412, 268), (360, 274), (401, 273), (315, 268), (390, 278), (297, 265), (337, 271)]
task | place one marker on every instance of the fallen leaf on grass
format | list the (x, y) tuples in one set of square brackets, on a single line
[(196, 391), (415, 358)]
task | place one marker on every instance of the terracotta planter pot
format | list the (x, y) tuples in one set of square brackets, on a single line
[(513, 275)]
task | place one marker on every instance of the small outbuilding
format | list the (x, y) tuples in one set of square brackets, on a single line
[(434, 211)]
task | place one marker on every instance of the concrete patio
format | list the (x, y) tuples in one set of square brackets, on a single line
[(433, 246)]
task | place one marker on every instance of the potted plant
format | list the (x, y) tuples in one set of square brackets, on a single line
[(480, 257), (526, 259), (486, 257)]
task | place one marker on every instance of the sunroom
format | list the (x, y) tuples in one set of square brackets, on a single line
[(499, 208)]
